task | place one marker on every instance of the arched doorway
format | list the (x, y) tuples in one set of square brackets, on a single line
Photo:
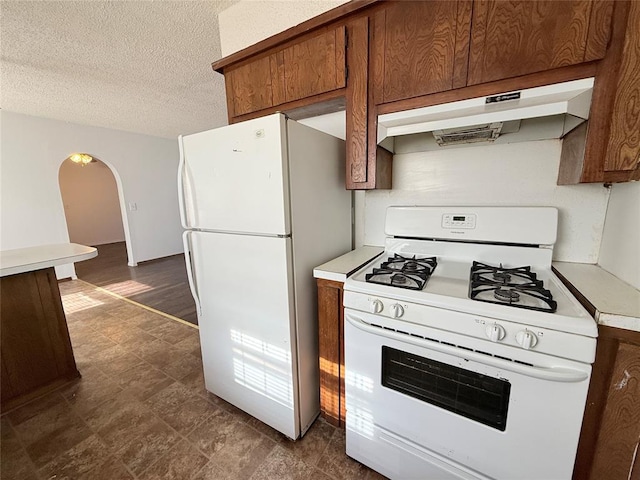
[(92, 199)]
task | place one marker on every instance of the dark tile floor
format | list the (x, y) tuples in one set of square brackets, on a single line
[(141, 411)]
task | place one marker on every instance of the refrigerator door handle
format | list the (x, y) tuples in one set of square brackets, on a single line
[(190, 275), (181, 199)]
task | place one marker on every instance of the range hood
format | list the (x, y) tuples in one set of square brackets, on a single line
[(483, 118)]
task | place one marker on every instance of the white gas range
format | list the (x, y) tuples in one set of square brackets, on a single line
[(465, 356)]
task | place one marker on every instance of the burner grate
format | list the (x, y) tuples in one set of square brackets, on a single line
[(403, 272), (516, 287)]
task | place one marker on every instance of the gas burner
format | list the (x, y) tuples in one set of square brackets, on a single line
[(516, 287), (505, 276), (410, 265), (403, 272), (506, 295)]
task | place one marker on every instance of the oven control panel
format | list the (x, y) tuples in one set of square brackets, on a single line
[(459, 220), (480, 333)]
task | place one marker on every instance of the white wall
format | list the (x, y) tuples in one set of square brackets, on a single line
[(31, 209), (509, 174), (250, 21), (620, 251), (91, 203)]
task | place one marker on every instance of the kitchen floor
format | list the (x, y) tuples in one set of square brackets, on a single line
[(141, 411)]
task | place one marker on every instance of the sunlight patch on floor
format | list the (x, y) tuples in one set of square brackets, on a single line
[(129, 287), (76, 302)]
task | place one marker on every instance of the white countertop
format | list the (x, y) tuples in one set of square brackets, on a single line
[(340, 268), (617, 303), (23, 260)]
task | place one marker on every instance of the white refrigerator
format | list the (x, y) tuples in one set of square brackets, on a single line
[(262, 202)]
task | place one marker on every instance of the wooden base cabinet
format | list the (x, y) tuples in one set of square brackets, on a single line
[(331, 349), (35, 347), (610, 437)]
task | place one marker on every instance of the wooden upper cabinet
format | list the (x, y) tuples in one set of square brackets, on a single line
[(301, 69), (607, 147), (250, 87), (313, 66), (623, 152), (513, 38), (420, 48)]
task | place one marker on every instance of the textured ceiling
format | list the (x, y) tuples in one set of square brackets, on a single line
[(138, 66)]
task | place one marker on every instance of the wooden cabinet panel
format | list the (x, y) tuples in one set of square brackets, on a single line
[(421, 48), (607, 148), (303, 69), (249, 87), (313, 66), (35, 345), (513, 38), (357, 103), (368, 166), (610, 432), (620, 428), (331, 350), (623, 152)]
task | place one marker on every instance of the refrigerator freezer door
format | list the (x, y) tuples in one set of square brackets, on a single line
[(234, 178), (247, 327)]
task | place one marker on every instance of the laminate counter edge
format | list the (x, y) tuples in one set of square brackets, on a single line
[(615, 302), (29, 259), (340, 268)]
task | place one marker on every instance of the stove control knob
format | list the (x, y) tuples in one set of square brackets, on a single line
[(376, 306), (526, 339), (495, 332), (396, 310)]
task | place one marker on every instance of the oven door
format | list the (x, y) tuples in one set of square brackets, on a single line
[(419, 406)]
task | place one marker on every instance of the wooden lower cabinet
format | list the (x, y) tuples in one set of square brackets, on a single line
[(610, 436), (331, 350), (35, 347)]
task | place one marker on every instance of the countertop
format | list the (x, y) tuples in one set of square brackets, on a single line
[(616, 303), (340, 268), (23, 260)]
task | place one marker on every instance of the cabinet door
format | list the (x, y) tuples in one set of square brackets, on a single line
[(420, 48), (623, 152), (513, 38), (35, 344), (331, 351), (313, 66), (250, 87)]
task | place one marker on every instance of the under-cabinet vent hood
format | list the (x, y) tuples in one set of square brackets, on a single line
[(481, 119)]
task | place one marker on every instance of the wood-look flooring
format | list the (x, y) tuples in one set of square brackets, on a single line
[(160, 284)]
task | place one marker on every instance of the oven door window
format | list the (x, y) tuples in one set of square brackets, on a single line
[(473, 395)]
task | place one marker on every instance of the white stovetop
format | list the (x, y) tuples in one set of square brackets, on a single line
[(28, 259), (448, 286)]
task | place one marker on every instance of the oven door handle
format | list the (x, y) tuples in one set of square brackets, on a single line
[(554, 374)]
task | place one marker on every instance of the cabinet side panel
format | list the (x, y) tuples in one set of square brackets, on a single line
[(329, 351), (357, 91), (603, 98), (620, 428), (623, 152)]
